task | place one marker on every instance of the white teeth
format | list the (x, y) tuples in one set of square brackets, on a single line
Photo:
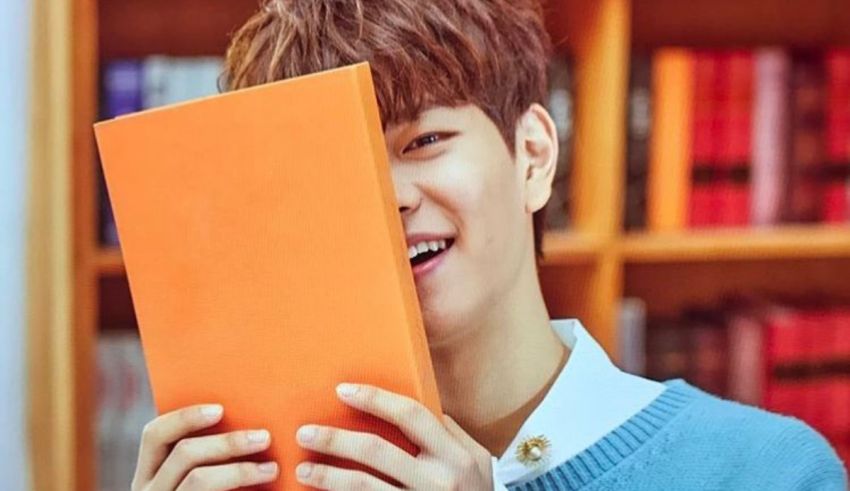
[(425, 246)]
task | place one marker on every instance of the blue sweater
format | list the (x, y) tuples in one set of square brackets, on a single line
[(687, 439)]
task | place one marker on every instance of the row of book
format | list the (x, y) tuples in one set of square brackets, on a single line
[(738, 137), (786, 358), (789, 358), (131, 85)]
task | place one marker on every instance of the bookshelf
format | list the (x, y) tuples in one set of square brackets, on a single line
[(587, 270)]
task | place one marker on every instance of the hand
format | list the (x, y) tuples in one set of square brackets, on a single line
[(190, 464), (449, 459)]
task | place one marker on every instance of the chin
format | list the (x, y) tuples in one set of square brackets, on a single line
[(444, 322)]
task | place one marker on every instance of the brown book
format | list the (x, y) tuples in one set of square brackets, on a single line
[(807, 153)]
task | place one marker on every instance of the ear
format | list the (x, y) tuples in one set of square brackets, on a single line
[(536, 155)]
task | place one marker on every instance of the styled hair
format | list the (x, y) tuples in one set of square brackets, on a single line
[(490, 53)]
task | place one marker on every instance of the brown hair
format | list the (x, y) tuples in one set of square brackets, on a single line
[(491, 53)]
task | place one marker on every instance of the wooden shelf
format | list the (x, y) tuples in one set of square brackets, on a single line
[(791, 242), (739, 22), (137, 28), (585, 271), (570, 248)]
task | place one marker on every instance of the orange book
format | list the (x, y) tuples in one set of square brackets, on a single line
[(670, 152), (266, 257)]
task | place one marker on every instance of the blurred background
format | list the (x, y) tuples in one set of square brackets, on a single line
[(700, 225)]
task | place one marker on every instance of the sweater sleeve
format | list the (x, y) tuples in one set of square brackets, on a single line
[(800, 459)]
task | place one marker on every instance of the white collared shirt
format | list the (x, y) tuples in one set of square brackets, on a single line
[(589, 398)]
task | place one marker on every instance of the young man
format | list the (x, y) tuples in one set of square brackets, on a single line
[(533, 403)]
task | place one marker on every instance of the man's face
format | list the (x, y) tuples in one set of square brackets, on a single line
[(456, 181)]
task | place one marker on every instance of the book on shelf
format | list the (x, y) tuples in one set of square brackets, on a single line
[(250, 257), (788, 358), (769, 129), (631, 334), (639, 125), (561, 106), (124, 406), (670, 152), (836, 208), (807, 131), (743, 137), (702, 206), (132, 85)]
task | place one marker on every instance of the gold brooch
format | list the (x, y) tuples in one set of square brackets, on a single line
[(533, 451)]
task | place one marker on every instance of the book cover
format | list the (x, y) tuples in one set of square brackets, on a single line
[(266, 257)]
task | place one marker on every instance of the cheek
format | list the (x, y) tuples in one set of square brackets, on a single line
[(485, 203)]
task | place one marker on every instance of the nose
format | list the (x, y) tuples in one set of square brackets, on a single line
[(407, 193)]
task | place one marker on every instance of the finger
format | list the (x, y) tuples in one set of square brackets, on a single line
[(190, 453), (328, 477), (366, 448), (481, 455), (228, 476), (159, 434), (411, 417), (462, 437)]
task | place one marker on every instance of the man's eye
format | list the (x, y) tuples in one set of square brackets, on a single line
[(422, 141)]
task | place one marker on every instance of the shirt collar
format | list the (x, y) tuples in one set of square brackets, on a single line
[(589, 398)]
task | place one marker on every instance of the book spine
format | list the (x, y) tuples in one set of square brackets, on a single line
[(841, 390), (746, 359), (702, 171), (807, 138), (836, 206), (424, 368), (769, 133), (561, 106), (670, 145), (667, 349), (708, 348), (639, 128), (733, 156), (741, 71), (632, 336), (122, 88), (122, 94)]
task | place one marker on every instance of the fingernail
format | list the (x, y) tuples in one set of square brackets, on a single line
[(212, 411), (306, 433), (303, 470), (346, 390), (258, 436), (268, 467)]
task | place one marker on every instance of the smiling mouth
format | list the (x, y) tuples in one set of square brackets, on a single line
[(425, 251)]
